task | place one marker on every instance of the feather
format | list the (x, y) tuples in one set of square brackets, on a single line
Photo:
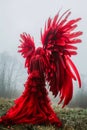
[(75, 70), (75, 34), (74, 41), (27, 48), (58, 39)]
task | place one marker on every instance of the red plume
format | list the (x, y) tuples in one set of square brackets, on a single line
[(27, 47), (58, 40)]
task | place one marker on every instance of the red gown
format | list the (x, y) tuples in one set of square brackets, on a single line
[(51, 63), (33, 106)]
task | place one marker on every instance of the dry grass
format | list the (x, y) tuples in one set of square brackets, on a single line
[(72, 118)]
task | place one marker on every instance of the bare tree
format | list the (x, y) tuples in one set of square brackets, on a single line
[(9, 75)]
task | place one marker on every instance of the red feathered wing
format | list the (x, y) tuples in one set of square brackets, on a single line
[(27, 48), (58, 41)]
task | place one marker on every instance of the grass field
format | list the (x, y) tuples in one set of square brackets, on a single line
[(72, 118)]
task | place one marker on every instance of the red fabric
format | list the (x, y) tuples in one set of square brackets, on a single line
[(50, 63), (33, 106)]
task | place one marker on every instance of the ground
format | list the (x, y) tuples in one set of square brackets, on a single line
[(72, 118)]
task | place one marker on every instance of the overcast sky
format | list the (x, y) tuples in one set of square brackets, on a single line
[(17, 16)]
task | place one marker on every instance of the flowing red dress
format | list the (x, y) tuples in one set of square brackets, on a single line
[(51, 63), (33, 106)]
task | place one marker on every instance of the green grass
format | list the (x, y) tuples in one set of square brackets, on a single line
[(72, 118)]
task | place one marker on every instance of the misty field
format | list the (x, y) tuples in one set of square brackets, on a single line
[(72, 118)]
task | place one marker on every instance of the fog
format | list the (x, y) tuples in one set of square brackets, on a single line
[(29, 16), (17, 16)]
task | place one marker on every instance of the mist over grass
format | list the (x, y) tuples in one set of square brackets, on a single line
[(72, 118), (13, 75), (80, 96)]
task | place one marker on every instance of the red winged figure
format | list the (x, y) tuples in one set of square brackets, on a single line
[(50, 64)]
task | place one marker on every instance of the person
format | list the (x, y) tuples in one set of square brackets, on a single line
[(50, 64)]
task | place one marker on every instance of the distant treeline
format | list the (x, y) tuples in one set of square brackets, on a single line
[(11, 76)]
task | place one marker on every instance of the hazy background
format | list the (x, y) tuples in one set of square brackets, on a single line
[(17, 16)]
